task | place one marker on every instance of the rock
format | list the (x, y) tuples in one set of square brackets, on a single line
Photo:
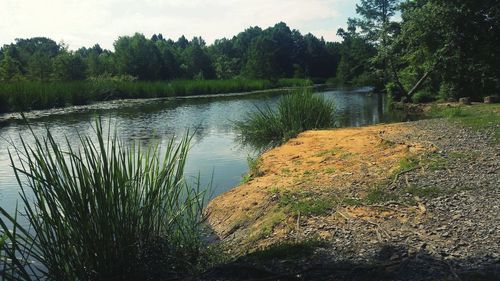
[(489, 99), (465, 101)]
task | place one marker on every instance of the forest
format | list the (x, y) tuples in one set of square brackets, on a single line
[(419, 50)]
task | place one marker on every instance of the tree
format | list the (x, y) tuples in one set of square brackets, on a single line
[(260, 62), (356, 54), (10, 69), (455, 44), (40, 66), (199, 64), (68, 67), (138, 56), (377, 28)]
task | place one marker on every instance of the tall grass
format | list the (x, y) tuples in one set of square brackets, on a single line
[(103, 211), (295, 113), (26, 95)]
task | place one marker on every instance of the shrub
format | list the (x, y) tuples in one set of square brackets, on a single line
[(423, 96), (104, 211)]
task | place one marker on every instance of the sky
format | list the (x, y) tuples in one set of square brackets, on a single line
[(83, 23)]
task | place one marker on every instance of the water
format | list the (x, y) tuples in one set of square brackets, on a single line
[(216, 154)]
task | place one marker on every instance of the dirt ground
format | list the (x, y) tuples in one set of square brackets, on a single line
[(315, 173)]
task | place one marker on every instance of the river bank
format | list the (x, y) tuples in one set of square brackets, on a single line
[(28, 95), (414, 200)]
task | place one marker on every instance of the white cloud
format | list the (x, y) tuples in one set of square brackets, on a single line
[(86, 22)]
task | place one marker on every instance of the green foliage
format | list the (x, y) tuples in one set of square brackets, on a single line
[(459, 66), (295, 113), (10, 69), (274, 53), (105, 211), (423, 96), (27, 95), (68, 67), (379, 195), (408, 164)]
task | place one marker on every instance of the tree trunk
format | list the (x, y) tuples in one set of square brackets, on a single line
[(417, 86)]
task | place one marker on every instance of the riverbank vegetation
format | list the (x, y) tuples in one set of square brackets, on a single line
[(34, 95), (106, 211), (295, 113)]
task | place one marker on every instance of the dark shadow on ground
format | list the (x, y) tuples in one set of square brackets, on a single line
[(306, 262)]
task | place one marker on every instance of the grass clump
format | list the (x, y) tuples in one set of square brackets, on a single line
[(253, 169), (407, 164), (305, 203), (424, 192), (103, 211), (379, 195), (295, 113)]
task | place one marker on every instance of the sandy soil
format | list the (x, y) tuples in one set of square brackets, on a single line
[(314, 173)]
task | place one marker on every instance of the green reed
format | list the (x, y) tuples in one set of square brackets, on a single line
[(295, 113), (102, 210)]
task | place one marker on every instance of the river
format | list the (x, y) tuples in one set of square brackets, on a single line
[(216, 154)]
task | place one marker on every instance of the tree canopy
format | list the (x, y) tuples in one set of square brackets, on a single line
[(411, 49), (276, 52)]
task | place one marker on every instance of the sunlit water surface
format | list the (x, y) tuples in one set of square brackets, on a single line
[(216, 154)]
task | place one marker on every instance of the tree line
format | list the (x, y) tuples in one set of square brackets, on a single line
[(415, 49), (276, 52)]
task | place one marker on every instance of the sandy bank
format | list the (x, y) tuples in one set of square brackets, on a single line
[(318, 177)]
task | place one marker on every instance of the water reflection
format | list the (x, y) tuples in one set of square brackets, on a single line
[(215, 147)]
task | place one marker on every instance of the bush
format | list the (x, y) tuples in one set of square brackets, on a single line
[(422, 97), (296, 112), (106, 211)]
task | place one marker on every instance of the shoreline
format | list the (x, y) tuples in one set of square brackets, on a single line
[(119, 103), (427, 189)]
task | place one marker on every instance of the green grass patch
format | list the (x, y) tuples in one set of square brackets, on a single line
[(478, 117), (328, 152), (352, 202), (254, 164), (286, 171), (305, 203), (329, 170), (408, 164), (295, 113)]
